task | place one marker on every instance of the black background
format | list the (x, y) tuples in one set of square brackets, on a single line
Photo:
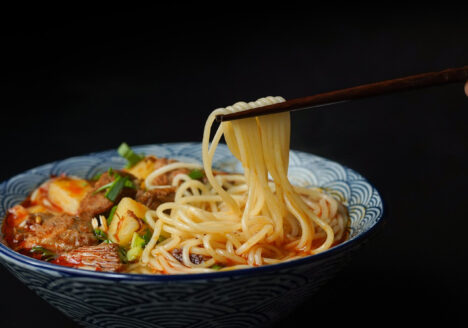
[(81, 81)]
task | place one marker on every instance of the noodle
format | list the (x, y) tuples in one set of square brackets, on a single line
[(239, 221)]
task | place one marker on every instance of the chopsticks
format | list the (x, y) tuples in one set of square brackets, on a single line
[(451, 75)]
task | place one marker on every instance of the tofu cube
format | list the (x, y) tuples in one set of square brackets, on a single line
[(66, 193), (143, 168)]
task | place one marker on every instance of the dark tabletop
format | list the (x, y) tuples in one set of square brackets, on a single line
[(84, 81)]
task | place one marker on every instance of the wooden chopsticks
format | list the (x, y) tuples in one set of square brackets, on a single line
[(451, 75)]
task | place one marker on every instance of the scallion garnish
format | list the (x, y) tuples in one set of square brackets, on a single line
[(115, 187), (196, 174), (129, 184), (46, 255), (147, 236), (114, 190), (126, 152), (217, 267), (122, 254), (96, 177), (100, 235), (111, 215), (104, 187), (137, 241)]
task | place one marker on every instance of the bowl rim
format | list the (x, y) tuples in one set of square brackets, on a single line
[(10, 255)]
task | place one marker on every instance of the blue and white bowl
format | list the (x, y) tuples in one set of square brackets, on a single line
[(253, 297)]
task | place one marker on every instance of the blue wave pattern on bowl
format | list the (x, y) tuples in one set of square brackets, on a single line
[(243, 298)]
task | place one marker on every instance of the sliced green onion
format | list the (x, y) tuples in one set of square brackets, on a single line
[(46, 255), (122, 254), (161, 239), (137, 244), (115, 187), (126, 152), (129, 184), (134, 253), (137, 241), (111, 214), (101, 188), (217, 266), (96, 177), (100, 235), (196, 174), (114, 190), (147, 236)]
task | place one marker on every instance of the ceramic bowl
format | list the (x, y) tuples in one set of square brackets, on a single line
[(253, 297)]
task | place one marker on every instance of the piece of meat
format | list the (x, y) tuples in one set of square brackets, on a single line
[(194, 258), (153, 198), (95, 203), (166, 179), (53, 231), (103, 257)]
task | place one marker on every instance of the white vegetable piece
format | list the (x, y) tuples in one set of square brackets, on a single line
[(126, 221), (67, 193)]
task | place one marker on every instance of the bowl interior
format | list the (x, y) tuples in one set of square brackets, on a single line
[(362, 199)]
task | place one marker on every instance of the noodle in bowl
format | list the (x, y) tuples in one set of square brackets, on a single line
[(241, 220), (215, 299)]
